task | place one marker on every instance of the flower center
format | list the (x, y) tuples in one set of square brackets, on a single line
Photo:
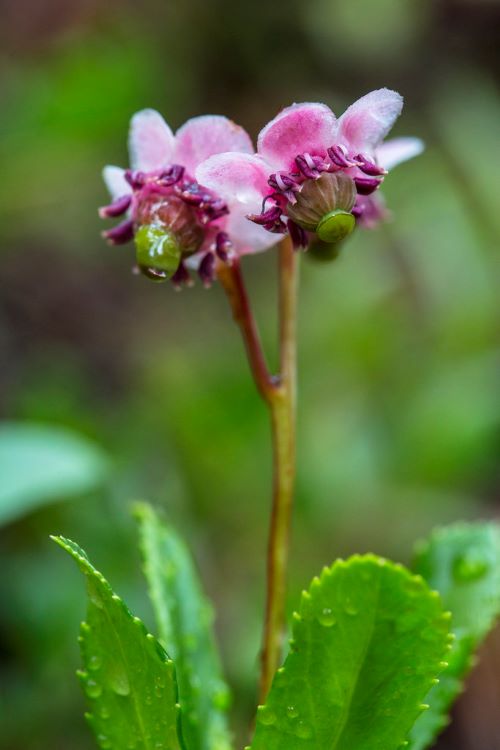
[(170, 217), (321, 195)]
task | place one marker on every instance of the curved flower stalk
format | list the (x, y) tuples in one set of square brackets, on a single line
[(319, 175), (176, 222)]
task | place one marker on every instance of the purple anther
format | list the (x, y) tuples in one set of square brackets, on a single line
[(369, 167), (310, 166), (270, 220), (297, 234), (286, 185), (120, 234), (214, 208), (340, 157), (357, 210), (136, 180), (223, 247), (206, 271), (191, 193), (117, 208), (367, 185), (171, 176), (271, 216), (181, 277)]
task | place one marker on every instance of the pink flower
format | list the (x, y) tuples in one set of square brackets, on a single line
[(175, 220), (317, 175)]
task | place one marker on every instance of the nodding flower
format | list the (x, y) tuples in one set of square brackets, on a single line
[(319, 175), (177, 222)]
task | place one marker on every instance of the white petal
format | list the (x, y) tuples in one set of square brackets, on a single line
[(115, 181), (366, 122), (241, 181), (202, 137), (397, 150), (151, 142)]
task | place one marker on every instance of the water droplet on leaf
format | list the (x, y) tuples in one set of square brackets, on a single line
[(303, 730), (469, 567), (119, 682), (350, 608), (326, 617), (94, 663), (93, 689), (266, 716)]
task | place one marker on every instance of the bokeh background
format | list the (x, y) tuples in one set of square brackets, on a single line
[(399, 411)]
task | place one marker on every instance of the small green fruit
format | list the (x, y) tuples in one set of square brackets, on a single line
[(158, 252), (335, 226)]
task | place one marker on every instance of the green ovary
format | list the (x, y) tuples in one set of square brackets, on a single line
[(157, 249), (335, 226)]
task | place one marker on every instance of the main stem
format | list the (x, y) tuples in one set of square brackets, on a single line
[(283, 418), (279, 393)]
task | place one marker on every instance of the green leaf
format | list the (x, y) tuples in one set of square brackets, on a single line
[(128, 679), (463, 563), (367, 644), (184, 619), (39, 464)]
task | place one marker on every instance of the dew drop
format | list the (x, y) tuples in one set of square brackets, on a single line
[(303, 730), (93, 689), (326, 618), (350, 608), (95, 598), (266, 716), (221, 699), (119, 682), (469, 567), (292, 712), (94, 663)]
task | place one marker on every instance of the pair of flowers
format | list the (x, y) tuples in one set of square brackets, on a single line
[(204, 193)]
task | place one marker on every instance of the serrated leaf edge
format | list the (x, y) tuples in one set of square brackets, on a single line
[(88, 569)]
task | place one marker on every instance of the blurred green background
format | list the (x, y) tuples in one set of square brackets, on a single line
[(399, 418)]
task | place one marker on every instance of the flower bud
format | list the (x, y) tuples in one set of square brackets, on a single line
[(324, 206)]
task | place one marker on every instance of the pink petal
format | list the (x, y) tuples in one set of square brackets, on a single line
[(366, 122), (114, 178), (299, 129), (205, 136), (236, 178), (151, 142), (398, 150), (240, 180), (247, 236)]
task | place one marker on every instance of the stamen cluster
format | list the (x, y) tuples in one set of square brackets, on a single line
[(172, 201), (366, 175)]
